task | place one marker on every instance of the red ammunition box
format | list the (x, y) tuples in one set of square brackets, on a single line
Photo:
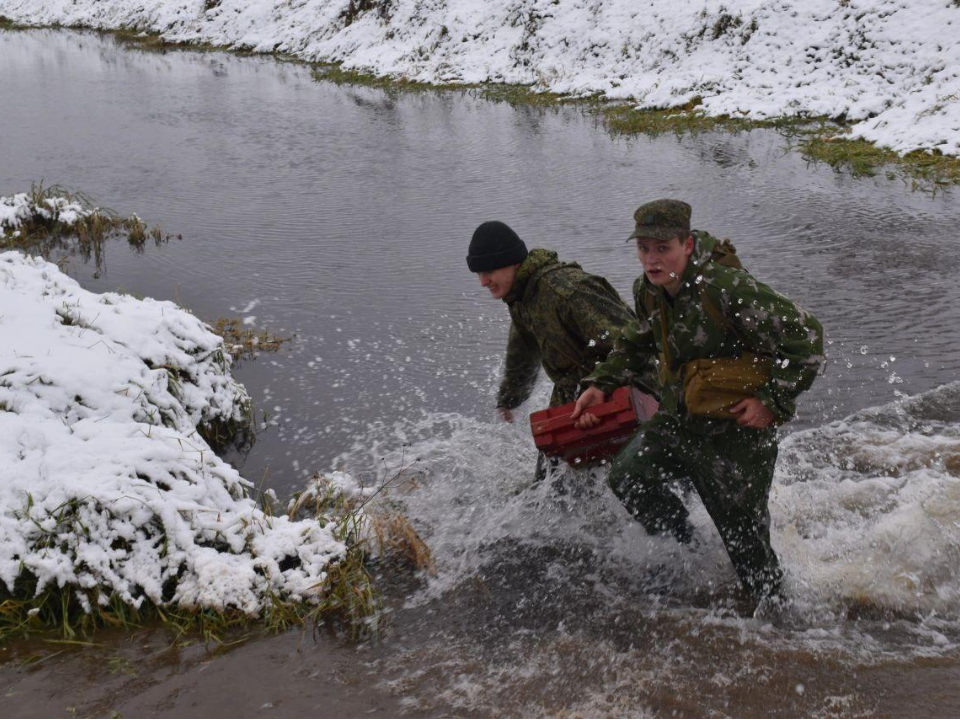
[(555, 435)]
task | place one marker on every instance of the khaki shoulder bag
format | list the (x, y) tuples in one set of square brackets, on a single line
[(711, 386)]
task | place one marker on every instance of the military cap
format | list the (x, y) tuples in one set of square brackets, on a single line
[(661, 220)]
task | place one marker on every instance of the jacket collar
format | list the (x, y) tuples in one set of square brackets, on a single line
[(537, 262)]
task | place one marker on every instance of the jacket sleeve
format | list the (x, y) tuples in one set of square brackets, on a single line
[(774, 325), (521, 368), (631, 362)]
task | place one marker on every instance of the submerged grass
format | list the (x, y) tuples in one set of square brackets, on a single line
[(517, 95), (243, 342), (396, 536), (135, 38), (819, 140), (382, 528), (8, 24)]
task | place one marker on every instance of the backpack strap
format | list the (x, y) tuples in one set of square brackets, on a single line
[(715, 313)]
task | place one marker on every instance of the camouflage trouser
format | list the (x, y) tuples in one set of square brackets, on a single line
[(731, 471)]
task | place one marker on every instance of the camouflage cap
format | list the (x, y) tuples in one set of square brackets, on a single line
[(661, 219)]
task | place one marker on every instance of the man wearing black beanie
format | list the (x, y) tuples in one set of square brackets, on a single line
[(562, 318)]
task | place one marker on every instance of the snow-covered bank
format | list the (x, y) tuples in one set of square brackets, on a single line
[(891, 66), (106, 485)]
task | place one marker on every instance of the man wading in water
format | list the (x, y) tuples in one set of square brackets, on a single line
[(562, 318), (727, 356)]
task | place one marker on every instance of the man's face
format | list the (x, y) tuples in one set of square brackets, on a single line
[(499, 281), (665, 260)]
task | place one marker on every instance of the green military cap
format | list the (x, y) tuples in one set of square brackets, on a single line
[(661, 220)]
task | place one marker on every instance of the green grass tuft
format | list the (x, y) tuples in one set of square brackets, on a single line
[(516, 95), (926, 171), (685, 120)]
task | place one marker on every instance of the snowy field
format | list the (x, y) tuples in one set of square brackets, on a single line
[(107, 485), (890, 66)]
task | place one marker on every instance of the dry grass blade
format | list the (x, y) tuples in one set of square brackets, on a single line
[(395, 535)]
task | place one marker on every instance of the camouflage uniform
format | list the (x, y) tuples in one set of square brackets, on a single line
[(563, 319), (730, 466)]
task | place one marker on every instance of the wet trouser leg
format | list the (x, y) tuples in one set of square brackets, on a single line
[(640, 476), (732, 472)]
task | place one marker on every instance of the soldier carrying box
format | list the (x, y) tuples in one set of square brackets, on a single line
[(727, 356)]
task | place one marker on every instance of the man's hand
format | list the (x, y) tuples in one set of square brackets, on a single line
[(506, 414), (590, 397), (753, 414)]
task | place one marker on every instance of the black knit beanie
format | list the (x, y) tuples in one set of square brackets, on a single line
[(495, 245)]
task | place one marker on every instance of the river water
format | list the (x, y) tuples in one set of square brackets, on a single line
[(339, 216)]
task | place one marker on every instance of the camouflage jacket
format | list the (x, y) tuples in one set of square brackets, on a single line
[(757, 319), (562, 318)]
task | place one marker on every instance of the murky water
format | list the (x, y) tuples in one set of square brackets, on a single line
[(341, 216)]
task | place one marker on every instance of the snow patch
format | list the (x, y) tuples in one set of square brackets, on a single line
[(106, 485)]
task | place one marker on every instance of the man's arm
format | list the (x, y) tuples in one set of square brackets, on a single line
[(521, 369), (774, 325)]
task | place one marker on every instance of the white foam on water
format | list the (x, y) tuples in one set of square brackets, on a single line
[(546, 606), (867, 509), (478, 491)]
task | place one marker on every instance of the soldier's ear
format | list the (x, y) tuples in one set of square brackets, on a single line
[(688, 245)]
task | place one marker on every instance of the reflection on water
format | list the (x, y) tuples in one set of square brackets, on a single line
[(342, 215)]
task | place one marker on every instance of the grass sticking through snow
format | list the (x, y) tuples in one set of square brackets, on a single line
[(45, 233), (345, 597)]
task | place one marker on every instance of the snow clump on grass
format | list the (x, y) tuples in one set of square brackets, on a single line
[(108, 490)]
